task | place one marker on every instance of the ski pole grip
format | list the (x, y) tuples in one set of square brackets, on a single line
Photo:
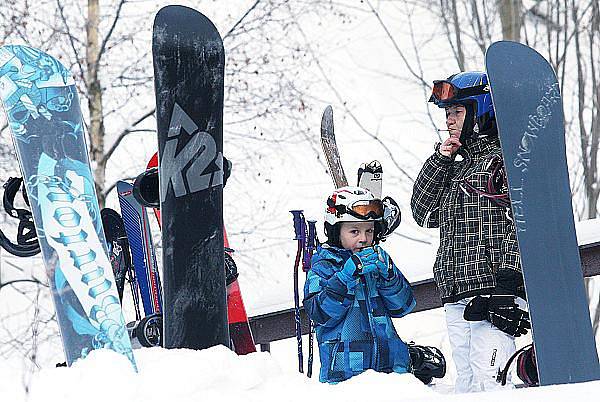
[(309, 245), (298, 224), (312, 234)]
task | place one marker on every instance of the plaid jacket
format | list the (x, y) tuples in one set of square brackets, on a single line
[(353, 326), (478, 251)]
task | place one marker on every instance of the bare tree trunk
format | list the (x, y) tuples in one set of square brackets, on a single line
[(457, 31), (591, 183), (96, 128), (592, 187), (511, 17)]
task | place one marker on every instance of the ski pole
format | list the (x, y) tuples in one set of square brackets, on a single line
[(300, 236), (310, 248)]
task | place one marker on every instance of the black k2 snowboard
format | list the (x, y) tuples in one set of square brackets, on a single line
[(529, 113), (189, 65)]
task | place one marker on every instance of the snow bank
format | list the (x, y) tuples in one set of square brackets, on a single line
[(217, 374)]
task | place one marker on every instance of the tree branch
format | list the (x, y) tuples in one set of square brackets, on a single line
[(396, 46), (108, 34), (70, 36), (252, 7), (22, 280), (124, 133)]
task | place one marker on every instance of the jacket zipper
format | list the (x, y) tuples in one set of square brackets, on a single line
[(336, 347), (375, 358)]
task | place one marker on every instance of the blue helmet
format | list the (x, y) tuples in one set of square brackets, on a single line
[(470, 89)]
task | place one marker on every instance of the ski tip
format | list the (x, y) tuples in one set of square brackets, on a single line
[(327, 120), (327, 114)]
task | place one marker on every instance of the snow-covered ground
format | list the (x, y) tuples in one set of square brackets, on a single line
[(217, 374)]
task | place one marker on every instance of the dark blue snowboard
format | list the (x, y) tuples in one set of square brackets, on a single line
[(529, 113), (189, 63), (137, 226)]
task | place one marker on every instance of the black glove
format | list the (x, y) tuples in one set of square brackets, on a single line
[(227, 165), (501, 311)]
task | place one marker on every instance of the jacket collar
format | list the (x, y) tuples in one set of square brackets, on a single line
[(482, 145), (337, 254)]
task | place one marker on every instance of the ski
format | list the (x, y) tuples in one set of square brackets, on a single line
[(529, 114), (189, 62), (42, 106), (330, 149), (370, 177)]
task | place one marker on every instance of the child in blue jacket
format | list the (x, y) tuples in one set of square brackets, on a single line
[(354, 289)]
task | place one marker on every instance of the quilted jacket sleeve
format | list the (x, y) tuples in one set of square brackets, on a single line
[(397, 294), (326, 297), (427, 190)]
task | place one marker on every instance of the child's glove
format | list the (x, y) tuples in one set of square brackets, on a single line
[(367, 259), (359, 263), (350, 271), (384, 264)]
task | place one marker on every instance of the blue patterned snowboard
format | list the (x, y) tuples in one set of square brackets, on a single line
[(40, 100)]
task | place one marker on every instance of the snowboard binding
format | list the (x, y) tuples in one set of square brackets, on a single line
[(27, 244), (526, 367), (231, 271), (391, 217), (145, 188), (148, 331), (146, 185), (427, 362)]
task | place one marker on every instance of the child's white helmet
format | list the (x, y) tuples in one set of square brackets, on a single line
[(353, 204)]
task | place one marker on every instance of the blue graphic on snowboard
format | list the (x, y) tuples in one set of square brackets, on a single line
[(41, 103)]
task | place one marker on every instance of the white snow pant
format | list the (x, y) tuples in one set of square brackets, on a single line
[(479, 350)]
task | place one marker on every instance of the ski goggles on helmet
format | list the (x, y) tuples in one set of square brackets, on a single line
[(445, 91), (363, 209)]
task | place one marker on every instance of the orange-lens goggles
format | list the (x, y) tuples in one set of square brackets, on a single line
[(443, 90), (368, 209)]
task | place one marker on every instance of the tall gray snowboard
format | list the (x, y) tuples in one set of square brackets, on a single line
[(40, 99), (529, 113)]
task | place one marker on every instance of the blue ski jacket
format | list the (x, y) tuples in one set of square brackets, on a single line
[(354, 327)]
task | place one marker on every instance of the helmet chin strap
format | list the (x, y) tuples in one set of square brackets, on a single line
[(469, 125), (471, 129)]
